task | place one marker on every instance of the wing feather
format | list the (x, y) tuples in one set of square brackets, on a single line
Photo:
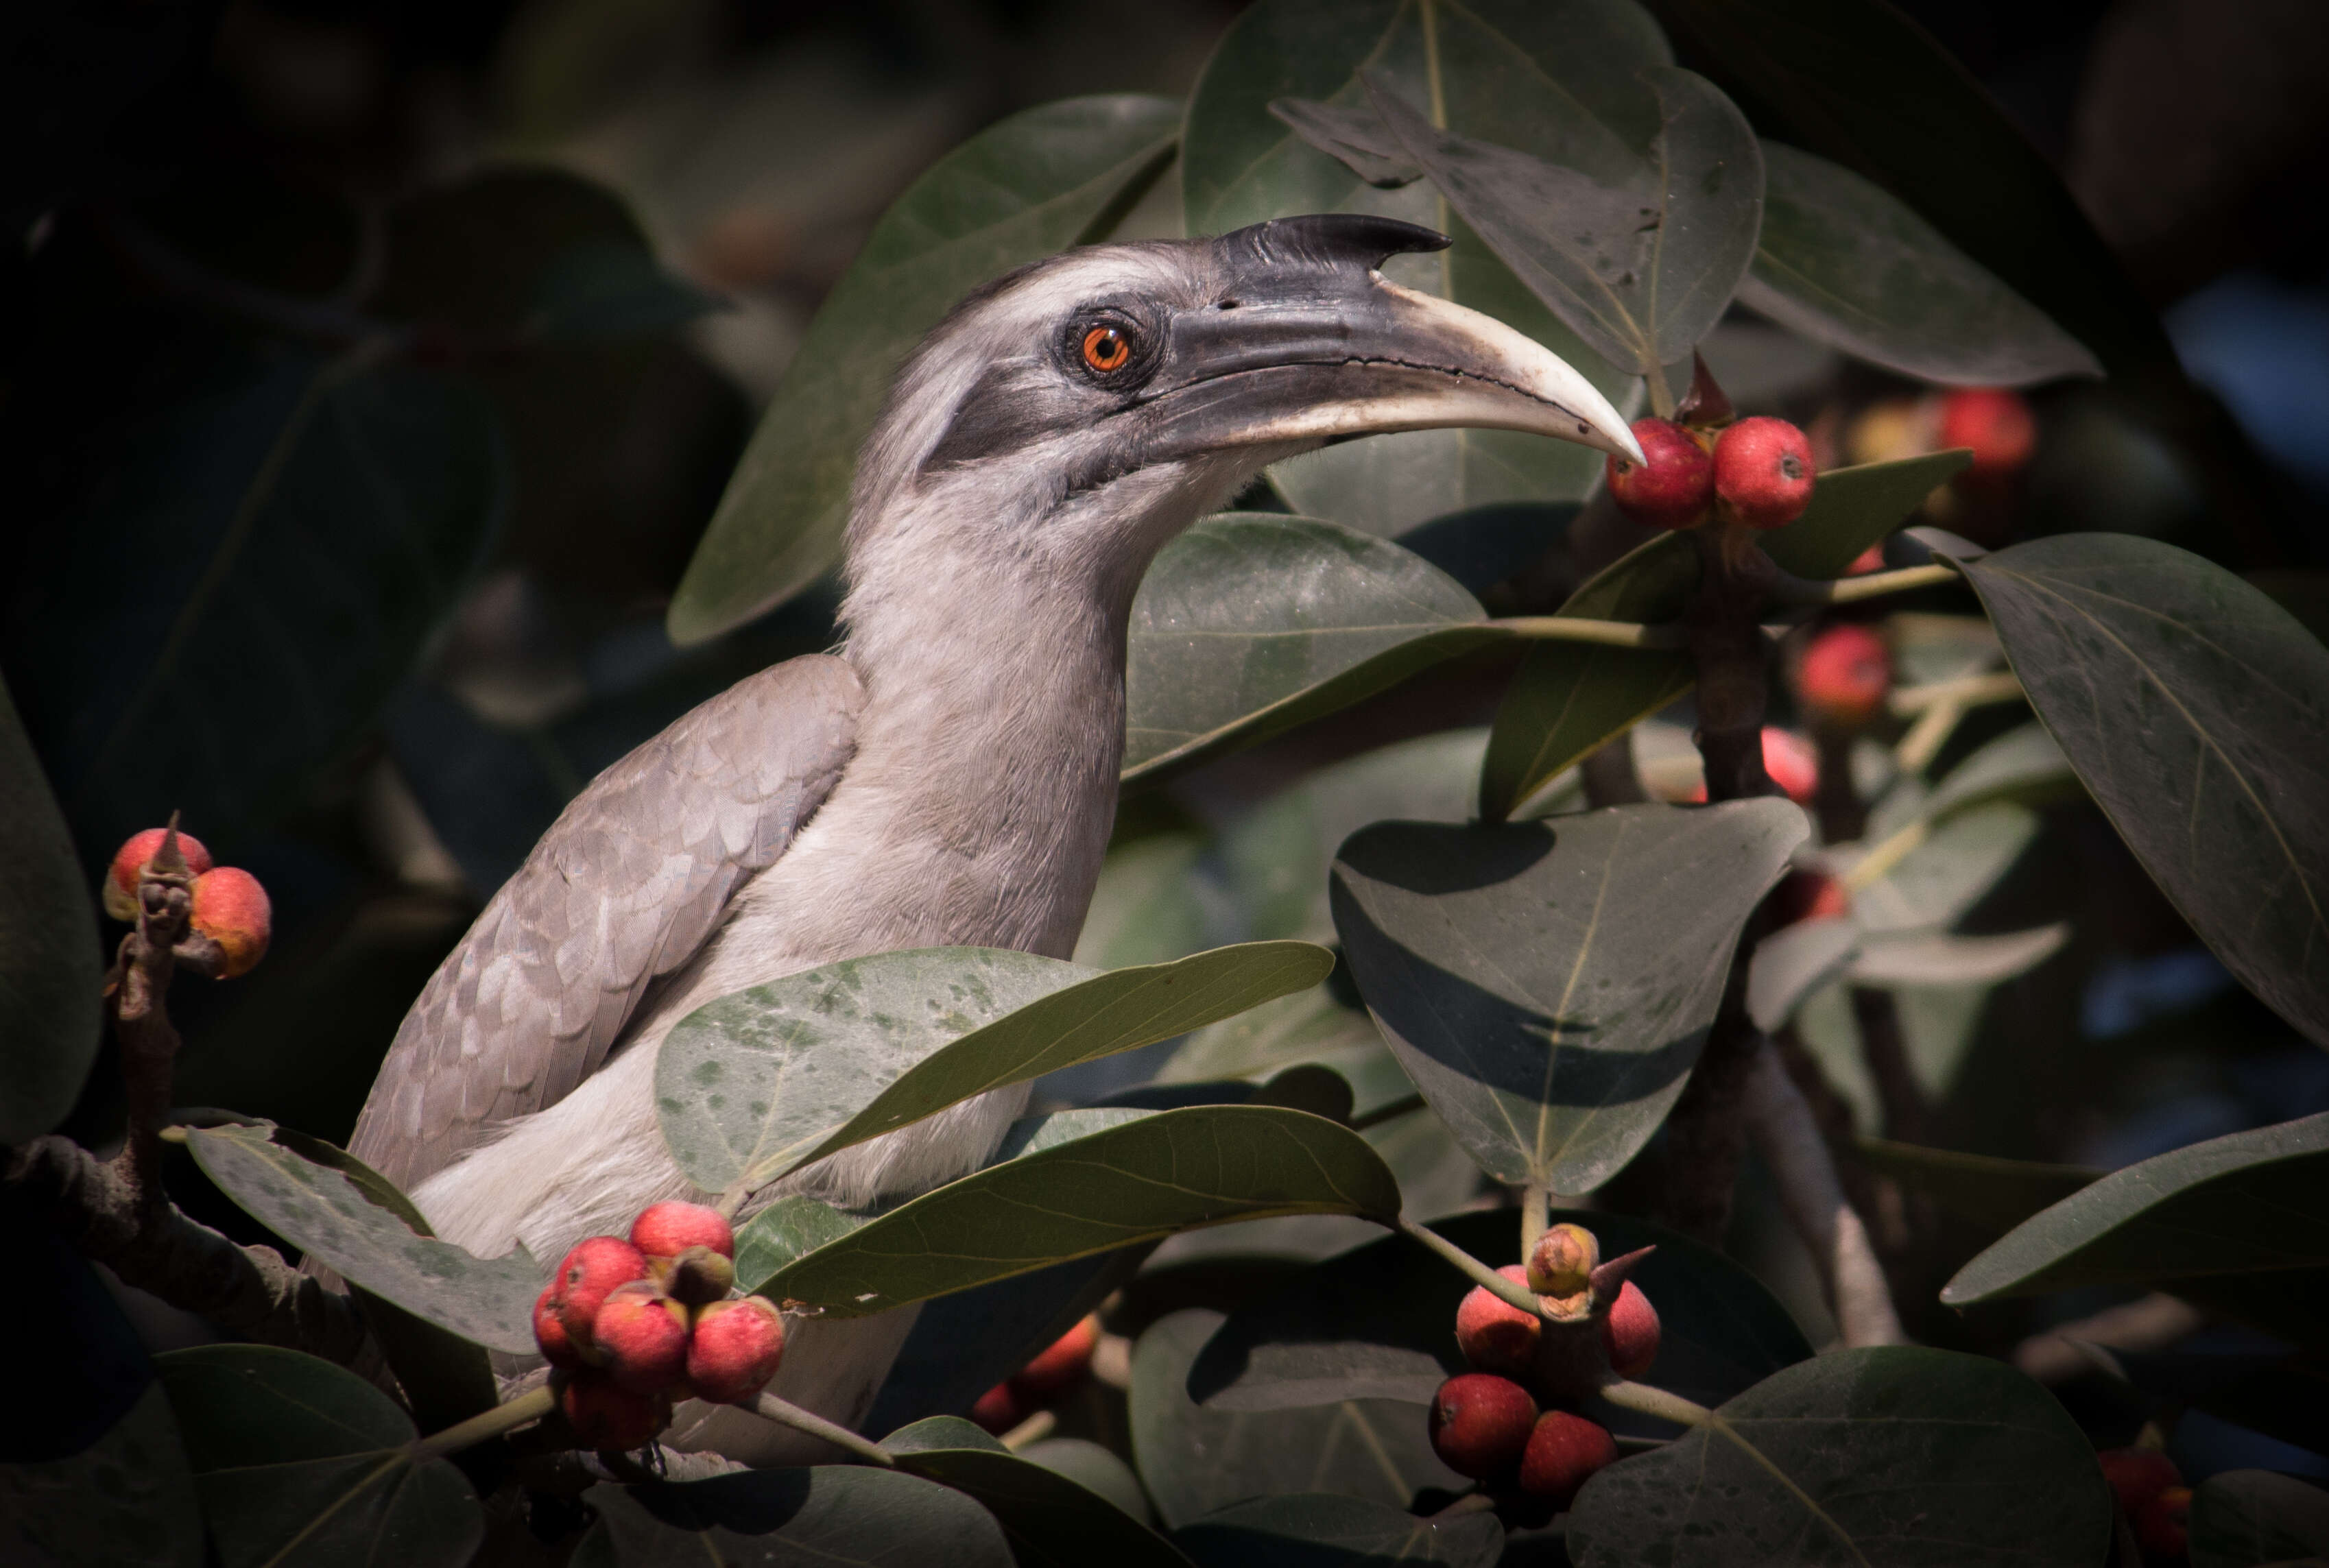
[(627, 885)]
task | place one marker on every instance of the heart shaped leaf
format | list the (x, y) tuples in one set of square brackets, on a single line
[(1047, 178), (50, 974), (1547, 78), (1139, 1182), (2196, 711), (830, 1514), (337, 1221), (1887, 1457), (1320, 1528), (1548, 985), (1251, 624), (762, 1083), (301, 1462), (1845, 262), (1051, 1521), (1569, 697), (1376, 1322)]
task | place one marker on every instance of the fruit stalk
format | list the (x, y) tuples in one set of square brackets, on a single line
[(140, 987), (784, 1412)]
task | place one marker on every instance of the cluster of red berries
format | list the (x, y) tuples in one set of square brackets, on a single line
[(228, 905), (633, 1324), (1058, 1369), (2150, 1491), (1756, 474), (1500, 1424)]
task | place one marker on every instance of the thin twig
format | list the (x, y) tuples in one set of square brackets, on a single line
[(1934, 725), (1791, 589), (1506, 1291), (784, 1412), (1578, 629), (1966, 690), (523, 1410)]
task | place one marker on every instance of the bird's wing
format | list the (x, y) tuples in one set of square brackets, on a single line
[(626, 886)]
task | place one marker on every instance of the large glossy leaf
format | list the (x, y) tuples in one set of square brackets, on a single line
[(2196, 711), (2251, 1518), (1051, 1520), (1979, 1188), (1569, 697), (1548, 985), (299, 1462), (1321, 1530), (1960, 860), (259, 566), (1881, 1458), (1195, 1461), (1858, 81), (1377, 1322), (1047, 178), (1251, 624), (2245, 1203), (1139, 1182), (1638, 256), (846, 1516), (127, 1499), (1551, 79), (1844, 262), (766, 1081), (51, 970), (334, 1220)]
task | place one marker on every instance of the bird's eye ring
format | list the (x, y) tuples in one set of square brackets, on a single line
[(1106, 349)]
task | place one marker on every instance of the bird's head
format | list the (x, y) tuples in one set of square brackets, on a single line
[(1068, 419)]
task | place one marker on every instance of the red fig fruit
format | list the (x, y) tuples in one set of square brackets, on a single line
[(1058, 1365), (1480, 1423), (1630, 1332), (735, 1350), (1763, 473), (666, 1230), (558, 1347), (1675, 489), (644, 1336), (608, 1417), (1995, 423), (998, 1409), (1495, 1336), (589, 1274), (1845, 676), (119, 893), (1564, 1451), (230, 908)]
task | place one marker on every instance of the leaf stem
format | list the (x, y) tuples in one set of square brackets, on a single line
[(526, 1409), (1788, 588), (1648, 1401), (1504, 1290), (1536, 1206), (1965, 691), (1579, 629), (1391, 1112), (784, 1412)]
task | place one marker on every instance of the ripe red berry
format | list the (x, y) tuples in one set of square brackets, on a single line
[(2162, 1525), (230, 908), (1675, 489), (606, 1417), (1059, 1364), (1495, 1336), (1630, 1332), (666, 1230), (2137, 1475), (1564, 1451), (643, 1334), (588, 1274), (1995, 423), (1808, 896), (1563, 1261), (1845, 675), (1763, 473), (558, 1347), (1792, 764), (998, 1409), (119, 893), (1480, 1423), (736, 1348)]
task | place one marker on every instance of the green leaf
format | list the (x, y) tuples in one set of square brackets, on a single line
[(1051, 1521), (259, 567), (1978, 1188), (1251, 624), (1172, 1171), (1569, 697), (762, 1082), (1045, 179), (1544, 78), (51, 970), (1857, 82), (1962, 858), (2250, 1203), (2196, 711), (299, 1462), (1376, 1322), (1792, 963), (1094, 1469), (847, 1515), (1887, 1457), (1194, 1461), (1147, 908), (2250, 1519), (1548, 985), (126, 1501), (1842, 262), (1938, 958), (1321, 1530), (1639, 256), (345, 1223)]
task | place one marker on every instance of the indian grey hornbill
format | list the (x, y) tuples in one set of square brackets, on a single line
[(948, 776)]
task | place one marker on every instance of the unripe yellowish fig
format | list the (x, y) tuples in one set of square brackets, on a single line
[(119, 893), (697, 1276), (1563, 1261), (230, 908)]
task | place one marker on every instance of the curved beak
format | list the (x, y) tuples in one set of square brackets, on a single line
[(1309, 345)]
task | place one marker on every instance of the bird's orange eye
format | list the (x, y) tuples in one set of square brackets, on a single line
[(1105, 348)]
